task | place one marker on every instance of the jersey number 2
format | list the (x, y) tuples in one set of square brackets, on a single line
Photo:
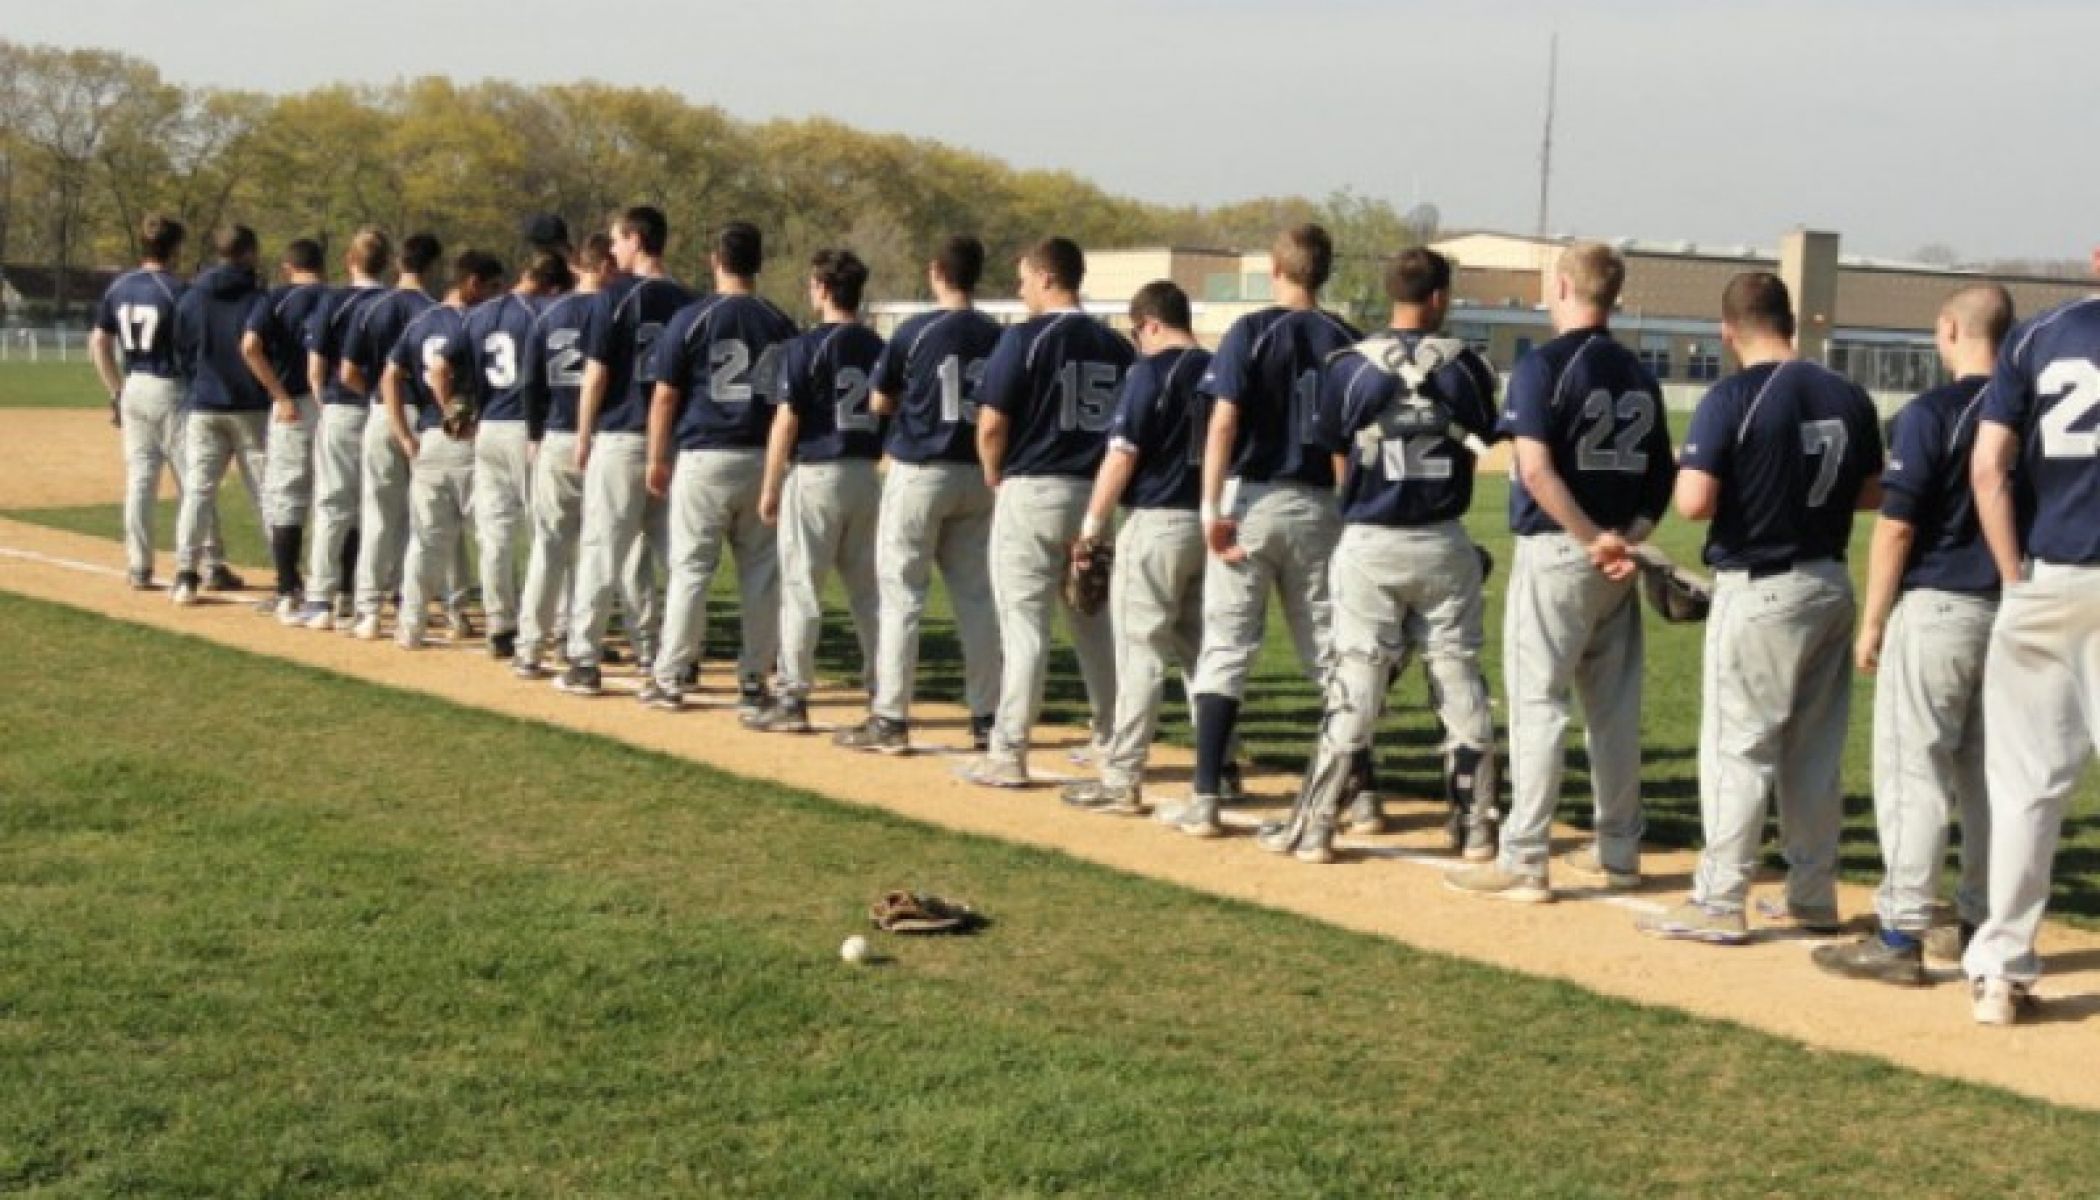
[(2076, 384)]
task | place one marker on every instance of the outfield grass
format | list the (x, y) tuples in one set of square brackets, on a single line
[(1284, 708), (253, 943), (50, 385)]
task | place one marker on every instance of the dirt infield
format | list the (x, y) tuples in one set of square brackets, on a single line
[(1388, 886)]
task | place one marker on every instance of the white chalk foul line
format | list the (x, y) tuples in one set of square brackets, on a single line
[(70, 564)]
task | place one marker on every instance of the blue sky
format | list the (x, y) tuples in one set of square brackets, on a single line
[(1898, 124)]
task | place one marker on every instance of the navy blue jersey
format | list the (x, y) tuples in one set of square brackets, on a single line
[(210, 320), (1055, 377), (1162, 417), (1926, 486), (1269, 366), (280, 321), (1600, 413), (498, 331), (377, 328), (138, 311), (1419, 474), (933, 367), (328, 331), (723, 354), (2047, 390), (437, 335), (553, 365), (1791, 444), (826, 376), (619, 334)]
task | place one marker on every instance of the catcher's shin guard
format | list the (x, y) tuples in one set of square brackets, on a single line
[(1355, 687)]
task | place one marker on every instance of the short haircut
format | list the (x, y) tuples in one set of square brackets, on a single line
[(419, 251), (595, 254), (1982, 310), (233, 241), (1595, 272), (478, 265), (549, 271), (740, 248), (161, 236), (1304, 254), (371, 250), (1161, 300), (1416, 274), (649, 227), (961, 262), (303, 254), (842, 274), (1758, 301), (1061, 259)]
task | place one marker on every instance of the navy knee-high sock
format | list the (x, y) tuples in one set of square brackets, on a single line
[(284, 555), (1216, 718), (349, 565)]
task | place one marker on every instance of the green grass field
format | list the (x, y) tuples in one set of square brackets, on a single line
[(50, 385), (1283, 708), (252, 943)]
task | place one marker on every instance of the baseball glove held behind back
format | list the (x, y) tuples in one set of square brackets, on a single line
[(1089, 564), (1677, 595)]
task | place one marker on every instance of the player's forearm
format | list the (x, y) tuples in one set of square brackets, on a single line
[(663, 414), (265, 372), (353, 378), (593, 398), (991, 444), (882, 404), (1550, 491), (1218, 437), (1886, 557), (317, 375), (780, 448), (105, 358), (396, 408), (1869, 499), (1990, 479), (1110, 482)]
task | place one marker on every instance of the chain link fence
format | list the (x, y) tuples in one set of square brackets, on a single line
[(43, 345)]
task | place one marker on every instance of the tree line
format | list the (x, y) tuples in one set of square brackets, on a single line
[(91, 140)]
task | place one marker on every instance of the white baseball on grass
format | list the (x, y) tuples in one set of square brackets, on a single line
[(854, 949)]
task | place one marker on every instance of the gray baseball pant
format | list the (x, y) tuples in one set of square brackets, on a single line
[(935, 513), (383, 520), (1401, 591), (828, 516), (1929, 755), (288, 467), (1568, 628), (1777, 694), (2041, 704), (440, 506), (502, 495), (714, 503), (1288, 531), (1156, 606), (212, 441), (338, 492), (1033, 524), (153, 436), (618, 514)]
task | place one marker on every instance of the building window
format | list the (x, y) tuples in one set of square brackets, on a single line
[(1654, 354), (1702, 361)]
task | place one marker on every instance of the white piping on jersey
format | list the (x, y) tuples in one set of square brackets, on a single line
[(1974, 406), (159, 278), (1751, 412), (546, 314), (1560, 385), (700, 318), (2020, 347), (290, 292), (1057, 318), (634, 292), (816, 357), (1254, 351)]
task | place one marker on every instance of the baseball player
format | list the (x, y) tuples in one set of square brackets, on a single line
[(383, 515), (1048, 395), (612, 417), (498, 333), (137, 316), (1593, 475), (553, 364), (827, 506), (339, 437), (1268, 505), (228, 409), (274, 346), (1154, 465), (936, 508), (1404, 415), (1925, 624), (716, 370), (2041, 678), (1778, 458), (432, 365)]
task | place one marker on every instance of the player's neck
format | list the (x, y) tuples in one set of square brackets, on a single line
[(302, 278), (953, 299), (152, 264), (1969, 366), (832, 314), (1763, 352), (408, 281), (734, 285), (1294, 297), (1172, 339), (1058, 302), (1576, 319), (648, 266), (1413, 318), (455, 299), (360, 279)]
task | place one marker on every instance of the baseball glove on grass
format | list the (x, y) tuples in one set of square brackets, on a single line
[(922, 912), (462, 417), (1087, 575), (1677, 595)]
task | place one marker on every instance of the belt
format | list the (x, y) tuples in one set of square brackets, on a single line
[(1767, 570)]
